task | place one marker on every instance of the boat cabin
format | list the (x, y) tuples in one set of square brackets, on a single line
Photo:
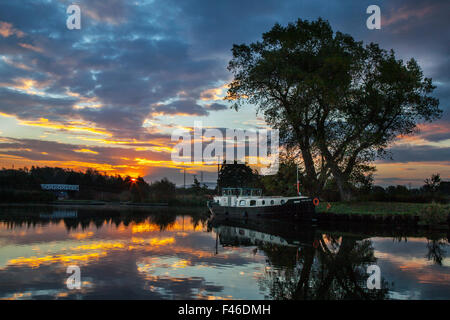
[(250, 197), (242, 192)]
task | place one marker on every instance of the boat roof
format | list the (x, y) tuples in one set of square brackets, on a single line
[(244, 188), (242, 191)]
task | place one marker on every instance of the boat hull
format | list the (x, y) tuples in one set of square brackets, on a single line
[(293, 208)]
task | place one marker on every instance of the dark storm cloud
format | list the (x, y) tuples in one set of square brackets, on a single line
[(27, 106), (217, 106), (188, 106), (422, 153), (438, 136)]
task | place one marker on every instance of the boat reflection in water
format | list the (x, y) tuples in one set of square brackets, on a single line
[(236, 232), (60, 214)]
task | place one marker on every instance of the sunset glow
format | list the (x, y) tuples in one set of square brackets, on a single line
[(110, 102)]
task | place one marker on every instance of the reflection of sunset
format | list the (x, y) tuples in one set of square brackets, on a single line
[(103, 249), (34, 262), (404, 263), (181, 264), (332, 246), (153, 241), (161, 242), (416, 267), (81, 236), (83, 250), (177, 226), (174, 259), (18, 295), (430, 277), (144, 227), (100, 245)]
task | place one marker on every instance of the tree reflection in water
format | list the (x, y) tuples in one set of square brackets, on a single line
[(329, 268), (436, 251), (84, 219)]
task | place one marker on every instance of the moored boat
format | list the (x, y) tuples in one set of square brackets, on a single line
[(249, 203)]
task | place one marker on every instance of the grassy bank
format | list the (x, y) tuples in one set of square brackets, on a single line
[(426, 213), (373, 207)]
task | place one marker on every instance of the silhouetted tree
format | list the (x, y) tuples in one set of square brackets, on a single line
[(237, 175), (339, 102)]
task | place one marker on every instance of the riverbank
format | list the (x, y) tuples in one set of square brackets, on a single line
[(397, 213), (106, 207), (374, 207)]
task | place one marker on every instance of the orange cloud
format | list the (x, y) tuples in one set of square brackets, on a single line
[(86, 151), (214, 94), (410, 172), (31, 47), (425, 131), (18, 65), (28, 85), (405, 13), (71, 126), (6, 30)]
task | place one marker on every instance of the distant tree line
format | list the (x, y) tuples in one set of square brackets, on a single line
[(284, 182), (24, 185)]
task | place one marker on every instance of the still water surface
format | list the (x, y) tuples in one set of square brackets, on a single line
[(162, 255)]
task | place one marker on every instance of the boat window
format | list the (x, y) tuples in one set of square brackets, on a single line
[(252, 202), (272, 202), (263, 202), (282, 201), (242, 203)]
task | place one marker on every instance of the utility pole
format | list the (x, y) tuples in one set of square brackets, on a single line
[(184, 177), (218, 171)]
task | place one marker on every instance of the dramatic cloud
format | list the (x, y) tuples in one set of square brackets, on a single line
[(408, 153), (134, 62)]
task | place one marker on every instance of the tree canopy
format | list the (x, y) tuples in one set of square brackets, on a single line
[(237, 175), (339, 102)]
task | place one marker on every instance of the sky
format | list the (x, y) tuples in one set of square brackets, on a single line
[(108, 96)]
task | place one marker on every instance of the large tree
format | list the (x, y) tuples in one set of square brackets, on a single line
[(340, 102), (237, 175)]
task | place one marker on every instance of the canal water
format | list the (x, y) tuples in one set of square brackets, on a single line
[(171, 255)]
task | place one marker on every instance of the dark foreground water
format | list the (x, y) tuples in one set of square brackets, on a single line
[(162, 255)]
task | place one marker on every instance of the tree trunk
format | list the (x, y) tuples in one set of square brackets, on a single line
[(312, 184), (345, 191), (341, 178), (301, 291)]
